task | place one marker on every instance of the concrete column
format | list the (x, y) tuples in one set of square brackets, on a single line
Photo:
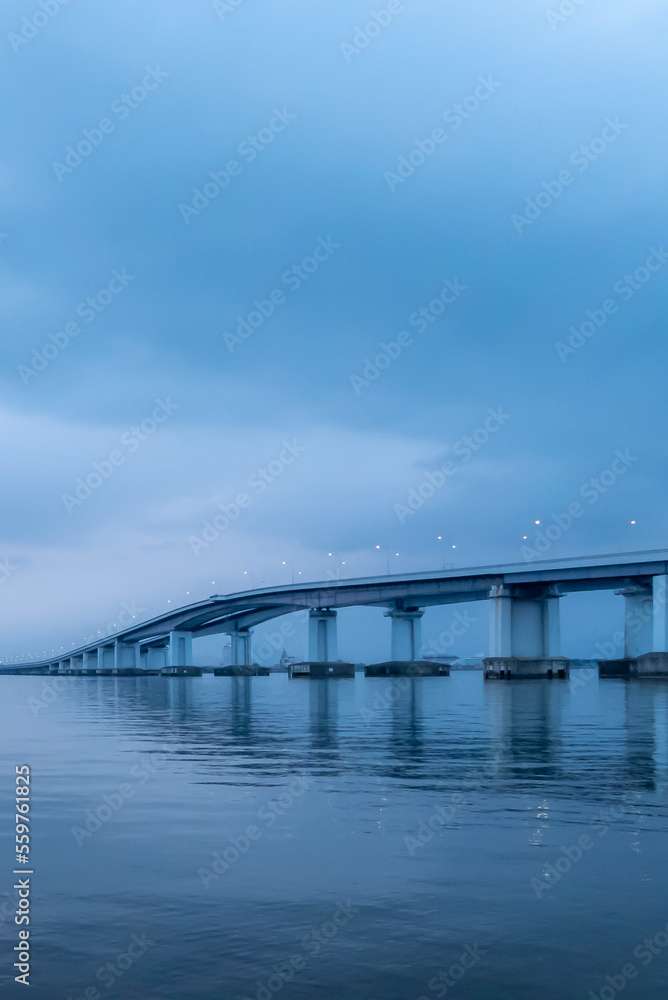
[(106, 656), (552, 627), (406, 634), (322, 636), (90, 659), (241, 647), (523, 626), (126, 655), (64, 665), (156, 658), (180, 650), (638, 621), (501, 619), (528, 627), (660, 614)]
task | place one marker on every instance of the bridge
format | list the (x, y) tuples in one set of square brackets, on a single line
[(524, 599)]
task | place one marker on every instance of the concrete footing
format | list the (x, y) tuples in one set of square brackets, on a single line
[(617, 668), (525, 667), (321, 669), (242, 670), (646, 665), (407, 668), (652, 665), (180, 672)]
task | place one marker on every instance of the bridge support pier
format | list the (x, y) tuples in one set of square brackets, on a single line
[(525, 636), (645, 633), (406, 639), (638, 625), (323, 644), (241, 647), (660, 614), (154, 658), (90, 661), (106, 656), (654, 663), (126, 657), (180, 649)]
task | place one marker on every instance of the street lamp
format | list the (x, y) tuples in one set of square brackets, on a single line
[(292, 569), (382, 548), (339, 564)]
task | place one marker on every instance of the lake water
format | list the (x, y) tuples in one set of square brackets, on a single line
[(372, 839)]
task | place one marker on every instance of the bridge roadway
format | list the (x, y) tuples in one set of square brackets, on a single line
[(524, 620)]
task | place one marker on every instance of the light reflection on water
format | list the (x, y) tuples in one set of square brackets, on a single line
[(424, 810)]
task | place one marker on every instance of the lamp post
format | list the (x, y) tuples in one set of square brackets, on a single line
[(445, 565), (383, 548), (339, 563)]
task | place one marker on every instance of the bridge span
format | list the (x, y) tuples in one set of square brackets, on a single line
[(524, 598)]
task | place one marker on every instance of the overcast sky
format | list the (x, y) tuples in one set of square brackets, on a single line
[(188, 167)]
